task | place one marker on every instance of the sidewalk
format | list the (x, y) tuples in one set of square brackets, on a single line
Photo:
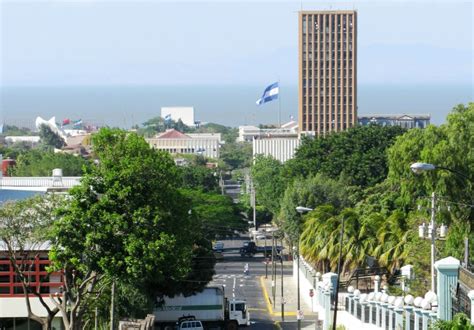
[(274, 308), (291, 303)]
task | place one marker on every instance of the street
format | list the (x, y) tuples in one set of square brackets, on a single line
[(230, 274)]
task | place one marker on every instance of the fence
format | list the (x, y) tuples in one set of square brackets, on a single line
[(379, 310), (39, 182)]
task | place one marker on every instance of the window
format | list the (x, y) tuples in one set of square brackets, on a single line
[(240, 307)]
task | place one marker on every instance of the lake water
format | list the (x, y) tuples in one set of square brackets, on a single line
[(124, 106), (7, 195)]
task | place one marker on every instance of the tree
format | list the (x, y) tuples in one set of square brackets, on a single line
[(229, 134), (217, 214), (12, 130), (50, 138), (450, 145), (42, 163), (269, 184), (321, 241), (237, 155), (356, 156), (127, 217), (460, 321), (24, 227), (199, 177), (310, 192)]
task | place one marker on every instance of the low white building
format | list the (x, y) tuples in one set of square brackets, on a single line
[(175, 142), (31, 140), (248, 133), (279, 143), (186, 114), (281, 149)]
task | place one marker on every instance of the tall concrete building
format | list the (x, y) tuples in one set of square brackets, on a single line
[(327, 65)]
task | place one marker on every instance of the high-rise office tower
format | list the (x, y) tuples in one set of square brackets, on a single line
[(327, 65)]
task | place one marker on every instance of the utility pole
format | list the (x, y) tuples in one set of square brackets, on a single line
[(112, 307), (282, 295), (253, 202), (273, 269), (433, 236), (265, 255), (298, 278)]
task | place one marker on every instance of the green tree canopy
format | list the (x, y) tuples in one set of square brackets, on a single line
[(269, 183), (50, 139), (450, 145), (199, 177), (41, 163), (356, 156), (237, 155), (127, 218), (310, 192), (217, 214)]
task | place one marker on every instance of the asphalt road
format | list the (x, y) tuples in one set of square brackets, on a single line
[(230, 273)]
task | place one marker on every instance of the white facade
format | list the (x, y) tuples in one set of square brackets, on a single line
[(207, 145), (33, 140), (248, 133), (281, 149), (186, 114)]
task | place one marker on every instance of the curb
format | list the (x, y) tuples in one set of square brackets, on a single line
[(268, 302)]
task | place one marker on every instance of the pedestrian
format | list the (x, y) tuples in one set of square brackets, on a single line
[(246, 269)]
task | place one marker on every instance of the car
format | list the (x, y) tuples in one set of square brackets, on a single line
[(218, 247), (191, 325), (260, 237)]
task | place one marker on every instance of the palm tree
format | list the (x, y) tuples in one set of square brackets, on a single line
[(321, 242), (316, 245), (392, 237)]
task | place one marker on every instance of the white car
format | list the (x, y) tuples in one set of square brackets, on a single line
[(191, 325), (260, 237), (218, 247)]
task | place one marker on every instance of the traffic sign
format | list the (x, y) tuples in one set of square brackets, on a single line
[(299, 315), (311, 293)]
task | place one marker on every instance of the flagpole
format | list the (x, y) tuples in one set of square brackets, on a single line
[(279, 104)]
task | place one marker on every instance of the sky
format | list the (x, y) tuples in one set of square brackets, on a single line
[(91, 42)]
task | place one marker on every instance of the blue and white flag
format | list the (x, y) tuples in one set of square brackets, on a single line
[(168, 117), (269, 94), (76, 124)]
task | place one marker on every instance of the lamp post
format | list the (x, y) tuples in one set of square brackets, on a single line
[(302, 209), (419, 168)]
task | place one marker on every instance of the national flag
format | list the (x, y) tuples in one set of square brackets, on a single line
[(66, 121), (77, 124), (269, 94)]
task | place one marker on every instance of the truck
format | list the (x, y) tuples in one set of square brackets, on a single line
[(249, 249), (209, 306)]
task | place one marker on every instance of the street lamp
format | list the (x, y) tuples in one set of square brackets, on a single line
[(419, 168), (302, 209)]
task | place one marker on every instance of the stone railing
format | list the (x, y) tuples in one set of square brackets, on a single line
[(378, 309)]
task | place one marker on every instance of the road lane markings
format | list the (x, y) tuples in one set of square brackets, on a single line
[(233, 289)]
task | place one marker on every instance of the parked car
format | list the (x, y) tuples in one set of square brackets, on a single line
[(218, 247), (191, 325)]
